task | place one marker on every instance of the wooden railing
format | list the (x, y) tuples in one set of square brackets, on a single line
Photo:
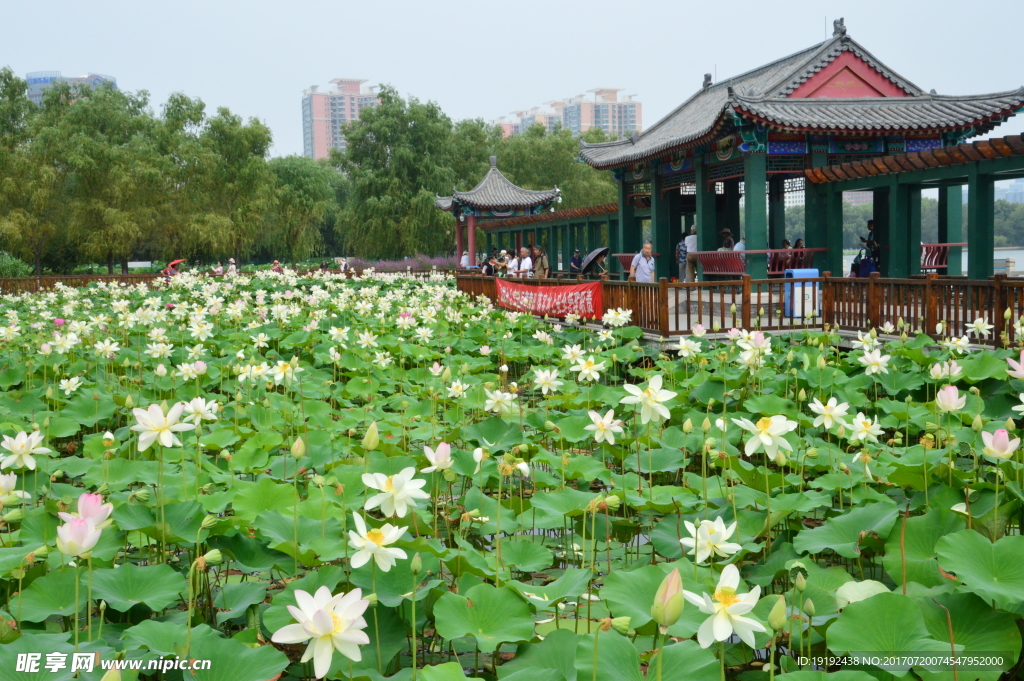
[(33, 284), (672, 309)]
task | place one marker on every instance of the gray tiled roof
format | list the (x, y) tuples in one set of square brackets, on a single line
[(879, 114), (496, 191), (697, 119)]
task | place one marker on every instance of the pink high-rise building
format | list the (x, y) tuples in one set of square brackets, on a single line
[(323, 114)]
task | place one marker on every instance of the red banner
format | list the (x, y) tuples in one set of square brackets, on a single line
[(557, 301)]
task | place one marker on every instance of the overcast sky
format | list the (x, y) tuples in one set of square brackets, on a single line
[(479, 58)]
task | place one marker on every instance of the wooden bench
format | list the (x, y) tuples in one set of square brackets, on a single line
[(935, 257), (727, 264)]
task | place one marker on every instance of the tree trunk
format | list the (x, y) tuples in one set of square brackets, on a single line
[(124, 265), (39, 264), (110, 262)]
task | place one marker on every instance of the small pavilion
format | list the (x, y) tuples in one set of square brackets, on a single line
[(495, 197), (756, 135)]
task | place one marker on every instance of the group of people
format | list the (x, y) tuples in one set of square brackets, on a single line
[(219, 269), (530, 262)]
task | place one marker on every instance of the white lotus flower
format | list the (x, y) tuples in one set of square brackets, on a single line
[(574, 353), (979, 327), (767, 433), (874, 362), (70, 385), (499, 402), (605, 427), (727, 609), (688, 348), (154, 426), (9, 493), (650, 399), (332, 622), (78, 537), (21, 448), (457, 389), (440, 460), (865, 429), (588, 369), (373, 544), (547, 380), (829, 414), (397, 492), (199, 409), (709, 538)]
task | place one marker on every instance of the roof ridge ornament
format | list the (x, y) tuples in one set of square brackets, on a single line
[(707, 81), (839, 28), (494, 161)]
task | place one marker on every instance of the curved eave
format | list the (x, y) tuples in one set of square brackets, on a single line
[(703, 137)]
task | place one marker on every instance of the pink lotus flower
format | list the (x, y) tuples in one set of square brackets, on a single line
[(91, 507), (485, 350), (999, 445), (77, 537), (734, 333), (440, 460), (1016, 368), (169, 306), (58, 322), (948, 399)]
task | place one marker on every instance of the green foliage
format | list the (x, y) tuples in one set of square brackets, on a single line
[(11, 266)]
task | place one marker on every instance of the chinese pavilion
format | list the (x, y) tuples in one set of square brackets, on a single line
[(493, 198), (755, 135)]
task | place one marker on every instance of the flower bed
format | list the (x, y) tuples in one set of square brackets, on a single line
[(380, 477)]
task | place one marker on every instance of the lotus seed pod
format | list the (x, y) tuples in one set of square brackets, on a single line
[(142, 495), (801, 582), (811, 453), (372, 598), (208, 522), (14, 516), (777, 616), (103, 490), (214, 557), (621, 624), (613, 503)]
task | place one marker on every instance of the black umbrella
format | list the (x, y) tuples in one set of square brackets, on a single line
[(590, 260)]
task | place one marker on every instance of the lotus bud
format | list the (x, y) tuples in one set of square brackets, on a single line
[(208, 522), (266, 402), (904, 337), (550, 427), (214, 557), (14, 516), (843, 467), (801, 396), (113, 674), (789, 356), (687, 426), (821, 362), (298, 448), (49, 392), (621, 624), (706, 426), (841, 432), (446, 375), (668, 602), (1007, 314), (976, 424), (801, 582), (416, 564), (372, 598), (732, 308), (777, 616), (371, 440), (108, 439), (1010, 424)]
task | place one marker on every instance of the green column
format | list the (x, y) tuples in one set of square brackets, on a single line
[(914, 230), (755, 213), (951, 226), (661, 227), (707, 229), (776, 211), (832, 234), (625, 227), (898, 260), (880, 214), (731, 209), (567, 246), (815, 199), (980, 227), (487, 242)]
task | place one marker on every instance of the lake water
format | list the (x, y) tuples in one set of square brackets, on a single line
[(1015, 254)]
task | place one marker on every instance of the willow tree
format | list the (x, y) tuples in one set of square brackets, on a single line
[(304, 193)]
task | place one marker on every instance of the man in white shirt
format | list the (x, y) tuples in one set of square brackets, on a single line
[(740, 245), (691, 254), (464, 263), (525, 264), (642, 267)]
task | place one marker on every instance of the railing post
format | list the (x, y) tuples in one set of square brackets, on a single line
[(827, 299), (873, 311), (663, 306), (999, 302), (747, 303), (931, 304)]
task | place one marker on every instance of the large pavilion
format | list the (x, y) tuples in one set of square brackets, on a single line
[(495, 197), (755, 135)]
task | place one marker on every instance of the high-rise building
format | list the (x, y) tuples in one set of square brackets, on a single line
[(38, 81), (323, 114), (617, 117)]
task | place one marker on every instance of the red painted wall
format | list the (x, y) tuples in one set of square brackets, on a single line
[(847, 76)]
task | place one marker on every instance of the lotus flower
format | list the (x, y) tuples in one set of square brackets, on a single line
[(21, 448), (650, 399), (948, 399), (767, 433), (397, 492), (709, 538), (373, 544), (1016, 368), (605, 427), (726, 608), (332, 622), (999, 445), (440, 460), (91, 507), (668, 601), (154, 426), (77, 537)]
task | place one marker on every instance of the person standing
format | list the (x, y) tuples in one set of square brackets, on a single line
[(541, 267), (691, 254), (576, 263), (681, 257), (525, 264), (642, 267), (464, 262), (727, 240)]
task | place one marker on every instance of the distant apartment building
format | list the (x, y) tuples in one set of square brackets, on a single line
[(39, 81), (617, 117), (323, 114), (1012, 192)]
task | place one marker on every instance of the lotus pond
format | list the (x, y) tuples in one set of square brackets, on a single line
[(315, 477)]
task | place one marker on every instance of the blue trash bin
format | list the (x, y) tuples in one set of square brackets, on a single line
[(800, 297)]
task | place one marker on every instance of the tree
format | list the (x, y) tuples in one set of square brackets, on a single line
[(304, 195)]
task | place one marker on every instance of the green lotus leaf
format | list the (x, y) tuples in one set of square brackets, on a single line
[(490, 615)]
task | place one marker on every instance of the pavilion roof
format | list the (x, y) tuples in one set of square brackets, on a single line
[(763, 95), (497, 191)]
